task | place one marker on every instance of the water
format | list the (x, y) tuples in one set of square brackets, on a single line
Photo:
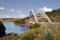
[(12, 28)]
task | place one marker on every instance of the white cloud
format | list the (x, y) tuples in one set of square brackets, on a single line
[(8, 16), (45, 9), (16, 14), (2, 8), (18, 11), (12, 10), (5, 16), (12, 16), (23, 16)]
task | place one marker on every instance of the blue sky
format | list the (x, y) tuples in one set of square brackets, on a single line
[(25, 5)]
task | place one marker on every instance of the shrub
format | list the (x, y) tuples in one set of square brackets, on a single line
[(36, 25), (48, 37)]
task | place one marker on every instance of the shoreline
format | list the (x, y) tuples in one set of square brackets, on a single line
[(30, 27), (21, 24)]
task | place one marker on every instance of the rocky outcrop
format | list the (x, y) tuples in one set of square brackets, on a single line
[(2, 29)]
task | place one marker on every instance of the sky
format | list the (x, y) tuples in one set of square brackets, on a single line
[(20, 8)]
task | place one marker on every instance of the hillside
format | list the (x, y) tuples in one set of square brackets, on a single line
[(9, 19), (54, 15), (44, 32)]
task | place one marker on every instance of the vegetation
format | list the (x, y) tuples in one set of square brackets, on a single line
[(36, 25), (22, 21), (44, 32), (39, 31), (9, 19), (54, 15)]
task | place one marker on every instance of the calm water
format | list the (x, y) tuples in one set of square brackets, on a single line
[(11, 27)]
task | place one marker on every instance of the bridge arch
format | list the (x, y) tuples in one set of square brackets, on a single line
[(34, 13)]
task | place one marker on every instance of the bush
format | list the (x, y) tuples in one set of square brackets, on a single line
[(36, 25), (49, 37), (21, 21)]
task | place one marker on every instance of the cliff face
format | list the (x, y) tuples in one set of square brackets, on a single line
[(54, 15)]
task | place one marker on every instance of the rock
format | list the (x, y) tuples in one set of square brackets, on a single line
[(2, 29)]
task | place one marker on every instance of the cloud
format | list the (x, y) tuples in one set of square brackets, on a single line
[(18, 11), (45, 9), (9, 16), (2, 8), (12, 16), (5, 16), (12, 10), (16, 14), (23, 16)]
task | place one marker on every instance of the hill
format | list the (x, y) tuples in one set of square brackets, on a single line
[(44, 32), (9, 19), (54, 15)]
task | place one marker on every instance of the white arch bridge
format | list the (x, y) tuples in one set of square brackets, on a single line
[(36, 13)]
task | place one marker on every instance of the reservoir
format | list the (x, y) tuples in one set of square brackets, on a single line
[(13, 28)]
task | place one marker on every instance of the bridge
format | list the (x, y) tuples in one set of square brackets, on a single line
[(36, 13), (40, 13)]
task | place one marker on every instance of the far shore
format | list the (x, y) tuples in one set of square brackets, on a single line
[(21, 24), (25, 25)]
